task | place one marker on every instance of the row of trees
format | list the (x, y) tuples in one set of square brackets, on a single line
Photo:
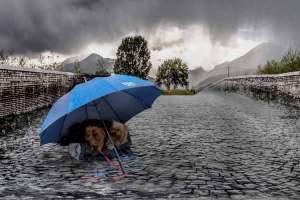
[(288, 63), (133, 58), (9, 58)]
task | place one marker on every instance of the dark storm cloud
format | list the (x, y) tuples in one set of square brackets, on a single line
[(160, 44), (67, 25)]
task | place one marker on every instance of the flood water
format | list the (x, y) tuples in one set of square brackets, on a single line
[(211, 145)]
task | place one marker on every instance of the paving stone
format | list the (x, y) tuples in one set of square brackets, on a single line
[(186, 191), (238, 197), (234, 192), (192, 186), (202, 192), (219, 193)]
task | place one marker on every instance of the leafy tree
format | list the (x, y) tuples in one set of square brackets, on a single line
[(133, 57), (183, 76), (100, 69), (77, 68), (172, 72), (22, 62), (163, 76)]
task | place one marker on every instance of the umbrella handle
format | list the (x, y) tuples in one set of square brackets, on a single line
[(114, 148)]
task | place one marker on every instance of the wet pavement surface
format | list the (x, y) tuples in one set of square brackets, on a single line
[(207, 146)]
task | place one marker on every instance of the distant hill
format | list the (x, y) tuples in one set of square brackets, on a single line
[(88, 64), (256, 56), (246, 64), (195, 75)]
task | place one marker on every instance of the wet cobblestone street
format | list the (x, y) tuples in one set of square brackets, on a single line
[(207, 146)]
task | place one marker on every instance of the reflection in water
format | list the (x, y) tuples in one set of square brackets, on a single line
[(209, 144)]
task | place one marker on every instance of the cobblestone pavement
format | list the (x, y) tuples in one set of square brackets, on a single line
[(207, 146)]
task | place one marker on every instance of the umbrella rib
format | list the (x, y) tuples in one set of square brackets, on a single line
[(62, 126), (107, 132), (86, 111), (116, 114), (136, 98), (130, 94)]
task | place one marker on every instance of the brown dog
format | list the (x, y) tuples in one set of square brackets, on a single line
[(118, 133), (95, 137)]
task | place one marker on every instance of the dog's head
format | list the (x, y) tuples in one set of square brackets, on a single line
[(95, 137), (119, 132)]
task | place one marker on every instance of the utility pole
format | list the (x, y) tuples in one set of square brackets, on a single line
[(228, 71)]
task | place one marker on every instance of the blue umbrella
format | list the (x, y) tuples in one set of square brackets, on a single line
[(117, 97)]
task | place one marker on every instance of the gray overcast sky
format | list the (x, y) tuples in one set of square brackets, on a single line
[(65, 26)]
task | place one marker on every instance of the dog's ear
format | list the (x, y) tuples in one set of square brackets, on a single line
[(113, 124), (125, 128), (126, 132)]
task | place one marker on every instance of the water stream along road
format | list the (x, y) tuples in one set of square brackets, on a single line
[(211, 145)]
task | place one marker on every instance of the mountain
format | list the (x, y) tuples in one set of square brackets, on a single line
[(195, 75), (74, 59), (246, 64), (257, 56), (88, 64)]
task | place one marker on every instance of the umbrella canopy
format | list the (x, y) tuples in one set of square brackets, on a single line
[(117, 97)]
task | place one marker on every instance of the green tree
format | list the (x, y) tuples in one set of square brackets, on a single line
[(163, 76), (183, 72), (172, 72), (133, 57), (77, 68)]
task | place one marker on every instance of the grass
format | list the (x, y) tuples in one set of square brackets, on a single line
[(178, 92)]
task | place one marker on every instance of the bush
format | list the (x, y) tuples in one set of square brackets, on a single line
[(289, 63)]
